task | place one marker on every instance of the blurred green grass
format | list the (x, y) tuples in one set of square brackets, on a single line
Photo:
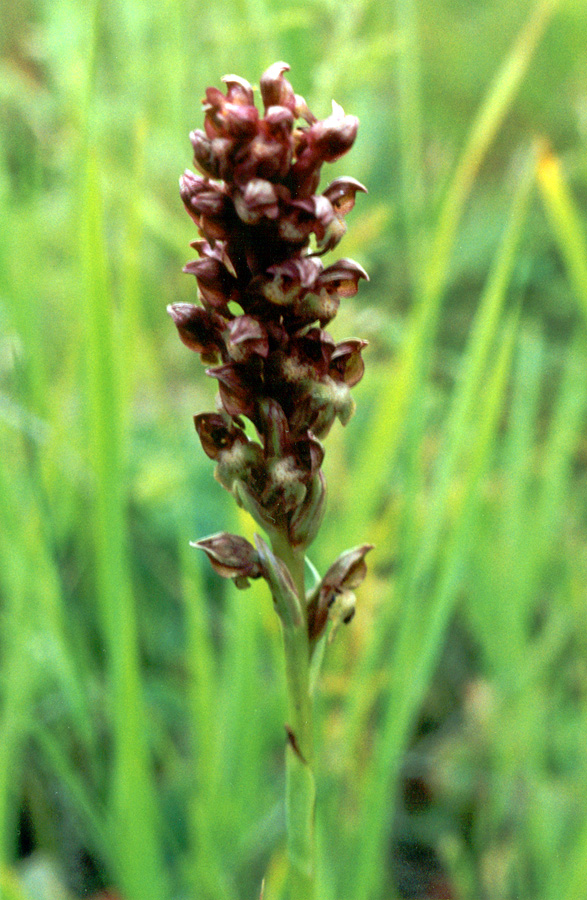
[(141, 703)]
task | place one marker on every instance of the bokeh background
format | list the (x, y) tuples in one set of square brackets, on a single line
[(141, 701)]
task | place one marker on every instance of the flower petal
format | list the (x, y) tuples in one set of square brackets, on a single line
[(239, 90), (334, 136), (347, 572), (344, 575)]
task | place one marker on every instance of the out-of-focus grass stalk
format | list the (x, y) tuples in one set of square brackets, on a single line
[(567, 878), (207, 801), (480, 345), (141, 360), (403, 387), (134, 827), (410, 129), (566, 874), (565, 222), (456, 438), (565, 432), (18, 679), (481, 135), (420, 632)]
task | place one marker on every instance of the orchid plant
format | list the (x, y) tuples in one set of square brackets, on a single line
[(266, 299)]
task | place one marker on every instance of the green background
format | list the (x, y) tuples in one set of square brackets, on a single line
[(142, 701)]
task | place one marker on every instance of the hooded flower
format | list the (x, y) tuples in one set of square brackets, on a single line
[(232, 557), (338, 585)]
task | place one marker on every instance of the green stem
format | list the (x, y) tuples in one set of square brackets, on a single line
[(300, 785)]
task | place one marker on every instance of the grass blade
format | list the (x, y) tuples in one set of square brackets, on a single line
[(410, 122), (205, 869), (417, 647), (456, 438), (404, 383), (135, 835), (566, 224)]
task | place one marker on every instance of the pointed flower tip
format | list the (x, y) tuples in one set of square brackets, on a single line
[(349, 570), (180, 312), (276, 69), (350, 182), (352, 266), (236, 79)]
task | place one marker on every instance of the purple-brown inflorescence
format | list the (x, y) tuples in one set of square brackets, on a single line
[(266, 298)]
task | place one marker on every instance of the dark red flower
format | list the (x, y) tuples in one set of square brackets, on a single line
[(239, 388), (200, 329), (218, 433), (246, 337), (228, 118), (218, 286)]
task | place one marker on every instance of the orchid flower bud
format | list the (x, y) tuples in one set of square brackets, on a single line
[(275, 89), (206, 156), (236, 120), (341, 192), (258, 200), (237, 388), (290, 280), (335, 135), (285, 487), (238, 90), (217, 286), (343, 278), (218, 433), (347, 362), (231, 556), (237, 458)]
